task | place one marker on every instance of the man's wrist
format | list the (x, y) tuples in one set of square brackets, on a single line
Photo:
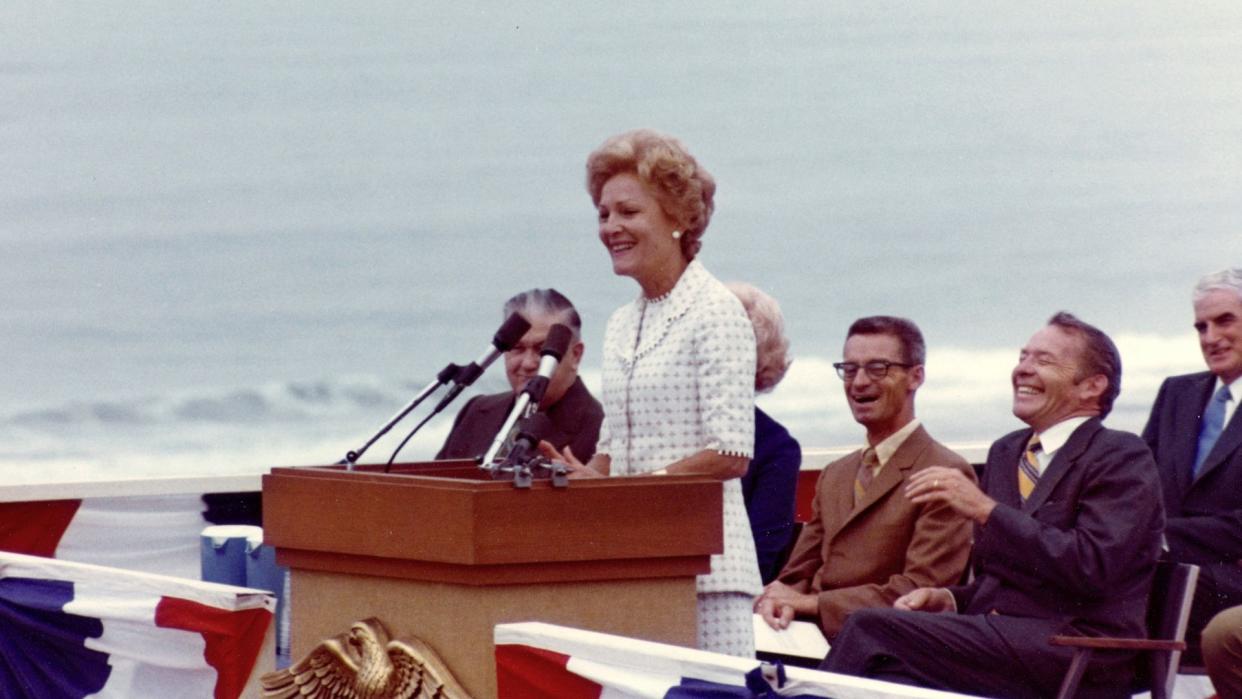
[(952, 600)]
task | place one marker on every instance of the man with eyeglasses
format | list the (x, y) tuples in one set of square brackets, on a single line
[(1068, 524), (867, 543)]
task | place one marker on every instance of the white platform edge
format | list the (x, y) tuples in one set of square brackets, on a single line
[(182, 485), (813, 459)]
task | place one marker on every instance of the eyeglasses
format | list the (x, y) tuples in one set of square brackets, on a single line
[(876, 370)]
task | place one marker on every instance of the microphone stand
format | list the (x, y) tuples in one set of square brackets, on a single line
[(525, 456), (509, 333), (523, 408), (446, 375)]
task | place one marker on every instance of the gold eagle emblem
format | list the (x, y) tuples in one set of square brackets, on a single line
[(363, 663)]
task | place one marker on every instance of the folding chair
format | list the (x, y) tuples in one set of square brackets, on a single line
[(1172, 591)]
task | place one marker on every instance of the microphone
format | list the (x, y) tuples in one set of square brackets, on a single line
[(554, 348), (530, 430), (508, 335)]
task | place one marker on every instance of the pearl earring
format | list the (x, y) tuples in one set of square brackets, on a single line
[(676, 235)]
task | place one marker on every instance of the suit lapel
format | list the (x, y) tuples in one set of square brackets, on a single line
[(492, 416), (1001, 473), (1190, 417), (839, 494), (1229, 442), (1061, 463), (566, 414), (892, 475)]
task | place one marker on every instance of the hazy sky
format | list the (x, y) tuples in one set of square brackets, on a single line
[(210, 196)]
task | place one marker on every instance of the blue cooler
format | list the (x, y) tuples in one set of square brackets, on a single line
[(223, 553), (262, 573)]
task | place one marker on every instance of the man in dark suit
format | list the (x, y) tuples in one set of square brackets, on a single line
[(1068, 527), (574, 413), (1196, 436), (866, 543)]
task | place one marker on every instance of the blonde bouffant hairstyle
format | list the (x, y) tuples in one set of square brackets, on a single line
[(683, 188), (772, 358)]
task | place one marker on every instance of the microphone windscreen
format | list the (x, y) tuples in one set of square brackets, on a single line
[(510, 332), (557, 342)]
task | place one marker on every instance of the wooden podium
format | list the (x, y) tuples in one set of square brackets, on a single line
[(442, 552)]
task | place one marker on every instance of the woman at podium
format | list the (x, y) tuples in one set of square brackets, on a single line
[(678, 360)]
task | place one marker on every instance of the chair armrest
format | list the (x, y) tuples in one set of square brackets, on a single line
[(1116, 643)]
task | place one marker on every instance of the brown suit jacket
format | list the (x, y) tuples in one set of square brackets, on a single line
[(868, 556)]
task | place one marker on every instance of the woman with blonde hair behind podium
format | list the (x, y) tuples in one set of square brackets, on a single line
[(678, 360)]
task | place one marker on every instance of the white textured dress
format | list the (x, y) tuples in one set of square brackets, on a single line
[(678, 378)]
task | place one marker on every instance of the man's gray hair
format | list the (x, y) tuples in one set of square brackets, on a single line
[(548, 303), (1224, 280)]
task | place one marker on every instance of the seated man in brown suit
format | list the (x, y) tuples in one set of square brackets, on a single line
[(866, 543), (574, 413), (1068, 526)]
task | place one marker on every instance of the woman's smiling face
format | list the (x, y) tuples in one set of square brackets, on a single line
[(637, 232)]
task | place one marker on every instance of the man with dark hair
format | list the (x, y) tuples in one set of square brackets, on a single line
[(574, 413), (1196, 436), (1067, 533), (866, 543)]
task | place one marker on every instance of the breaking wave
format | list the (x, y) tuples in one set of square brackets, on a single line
[(247, 430), (288, 402)]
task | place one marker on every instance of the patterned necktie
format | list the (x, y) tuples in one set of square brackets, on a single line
[(1213, 424), (866, 473), (1028, 468)]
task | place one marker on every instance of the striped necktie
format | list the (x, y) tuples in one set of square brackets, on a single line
[(1213, 424), (1028, 468), (866, 473)]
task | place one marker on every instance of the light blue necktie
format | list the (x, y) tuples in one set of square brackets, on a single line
[(1213, 424)]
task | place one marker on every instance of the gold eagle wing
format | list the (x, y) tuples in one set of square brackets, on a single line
[(363, 663)]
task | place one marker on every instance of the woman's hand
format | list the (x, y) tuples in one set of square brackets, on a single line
[(576, 468)]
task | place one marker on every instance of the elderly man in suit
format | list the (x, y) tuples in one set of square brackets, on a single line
[(574, 413), (1068, 527), (867, 543), (1196, 437)]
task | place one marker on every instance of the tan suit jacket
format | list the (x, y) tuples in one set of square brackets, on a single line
[(869, 555)]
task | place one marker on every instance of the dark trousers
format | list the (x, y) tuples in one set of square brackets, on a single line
[(955, 652)]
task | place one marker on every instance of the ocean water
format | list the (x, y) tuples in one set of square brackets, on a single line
[(239, 235)]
